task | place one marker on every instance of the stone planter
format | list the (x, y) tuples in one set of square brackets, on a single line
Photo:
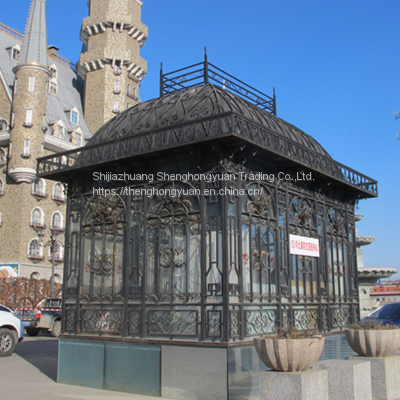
[(373, 343), (289, 355)]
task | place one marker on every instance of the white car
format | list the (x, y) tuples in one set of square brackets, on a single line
[(11, 331)]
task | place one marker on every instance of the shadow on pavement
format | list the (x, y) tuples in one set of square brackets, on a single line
[(42, 353)]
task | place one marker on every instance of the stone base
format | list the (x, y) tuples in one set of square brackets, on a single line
[(348, 380), (307, 385), (385, 372)]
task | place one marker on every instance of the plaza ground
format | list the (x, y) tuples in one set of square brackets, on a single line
[(31, 373)]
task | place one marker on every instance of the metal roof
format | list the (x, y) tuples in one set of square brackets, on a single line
[(34, 47), (194, 116), (197, 102)]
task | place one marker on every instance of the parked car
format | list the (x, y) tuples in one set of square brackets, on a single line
[(11, 331), (387, 314)]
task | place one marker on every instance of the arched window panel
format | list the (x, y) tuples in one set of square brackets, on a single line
[(1, 187), (35, 275), (259, 230), (104, 225), (213, 243), (37, 217), (58, 192), (304, 270), (39, 187), (136, 249), (35, 249), (338, 251), (57, 221), (173, 224), (3, 155), (302, 217)]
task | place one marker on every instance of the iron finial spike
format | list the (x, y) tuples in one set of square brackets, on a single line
[(205, 66), (161, 80)]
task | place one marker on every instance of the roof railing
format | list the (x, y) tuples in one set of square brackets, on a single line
[(205, 72)]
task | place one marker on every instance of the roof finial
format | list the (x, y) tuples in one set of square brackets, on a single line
[(34, 46)]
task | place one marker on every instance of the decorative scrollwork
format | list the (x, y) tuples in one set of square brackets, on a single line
[(337, 224), (260, 322), (179, 322), (134, 325), (70, 320), (340, 317), (302, 217), (102, 264), (234, 323), (262, 262), (260, 206), (306, 319), (106, 321), (104, 214), (214, 323), (168, 257), (339, 268), (306, 265)]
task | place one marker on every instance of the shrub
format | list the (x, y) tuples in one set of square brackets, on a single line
[(372, 325), (291, 332)]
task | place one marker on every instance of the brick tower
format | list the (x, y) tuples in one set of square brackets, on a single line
[(110, 62), (30, 98)]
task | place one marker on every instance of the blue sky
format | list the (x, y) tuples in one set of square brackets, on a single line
[(334, 64)]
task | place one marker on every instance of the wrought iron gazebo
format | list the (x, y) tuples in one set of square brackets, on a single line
[(199, 220)]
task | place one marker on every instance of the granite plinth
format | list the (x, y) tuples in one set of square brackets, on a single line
[(385, 372), (306, 385), (348, 379)]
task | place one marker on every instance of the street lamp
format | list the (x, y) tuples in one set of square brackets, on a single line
[(54, 246)]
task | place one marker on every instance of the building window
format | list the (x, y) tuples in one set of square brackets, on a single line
[(116, 106), (60, 130), (31, 84), (54, 71), (1, 219), (28, 118), (27, 148), (3, 125), (78, 139), (74, 117), (35, 275), (57, 278), (3, 157), (116, 88), (39, 187), (35, 249), (117, 71), (15, 53), (58, 192), (131, 92), (15, 86), (53, 88), (1, 188), (37, 217), (57, 222)]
